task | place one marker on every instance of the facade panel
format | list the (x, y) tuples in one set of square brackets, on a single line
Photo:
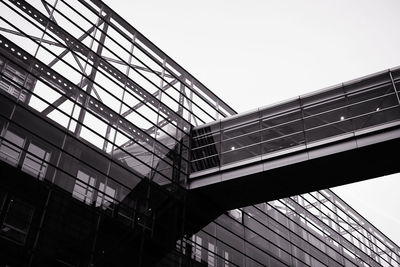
[(313, 229)]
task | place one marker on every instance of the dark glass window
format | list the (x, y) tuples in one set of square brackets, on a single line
[(17, 220)]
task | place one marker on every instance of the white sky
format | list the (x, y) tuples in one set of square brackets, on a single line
[(257, 52)]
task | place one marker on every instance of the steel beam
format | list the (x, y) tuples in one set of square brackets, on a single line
[(137, 66), (31, 36)]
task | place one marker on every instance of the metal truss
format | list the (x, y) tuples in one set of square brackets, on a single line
[(168, 68), (88, 54)]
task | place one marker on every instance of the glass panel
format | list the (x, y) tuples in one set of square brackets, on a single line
[(122, 174), (106, 195), (36, 163), (258, 256), (135, 155), (94, 130), (205, 148), (17, 221), (276, 263), (83, 189), (243, 136), (232, 245), (6, 106), (280, 108), (282, 132), (39, 126), (322, 96), (327, 119), (368, 82), (241, 142), (10, 147), (373, 107), (235, 154), (258, 234), (325, 113), (240, 119), (205, 141)]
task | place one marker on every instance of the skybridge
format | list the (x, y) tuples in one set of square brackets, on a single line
[(112, 154), (342, 134)]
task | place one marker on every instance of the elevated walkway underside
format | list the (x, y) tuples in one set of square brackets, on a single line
[(340, 135)]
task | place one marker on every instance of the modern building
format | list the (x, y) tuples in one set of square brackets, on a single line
[(313, 229), (112, 154)]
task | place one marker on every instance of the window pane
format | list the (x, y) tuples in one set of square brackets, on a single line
[(107, 198), (83, 189), (10, 148), (17, 221), (36, 163)]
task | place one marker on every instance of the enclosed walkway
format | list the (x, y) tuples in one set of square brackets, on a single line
[(335, 136)]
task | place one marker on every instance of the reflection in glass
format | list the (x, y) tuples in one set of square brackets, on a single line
[(83, 189), (11, 147), (35, 161)]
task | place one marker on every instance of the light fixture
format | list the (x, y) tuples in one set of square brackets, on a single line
[(233, 148), (377, 109), (342, 118)]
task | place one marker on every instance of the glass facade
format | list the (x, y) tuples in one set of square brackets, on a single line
[(100, 131), (313, 229), (91, 107)]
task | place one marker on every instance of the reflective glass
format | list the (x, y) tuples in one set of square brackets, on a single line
[(36, 161), (11, 147)]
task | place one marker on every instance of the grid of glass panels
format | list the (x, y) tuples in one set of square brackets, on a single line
[(154, 160), (88, 35), (313, 229), (90, 104), (84, 67), (319, 118)]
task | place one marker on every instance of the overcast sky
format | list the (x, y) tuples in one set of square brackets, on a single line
[(257, 52)]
